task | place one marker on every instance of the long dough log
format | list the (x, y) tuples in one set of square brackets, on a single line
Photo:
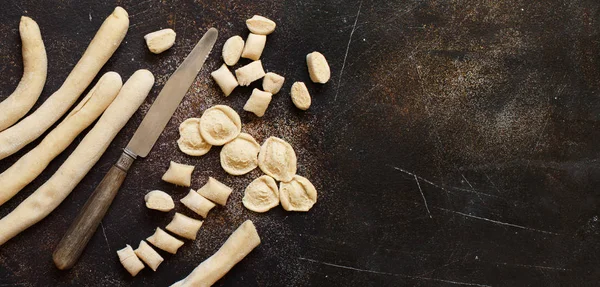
[(107, 40), (35, 69), (238, 245), (28, 167), (46, 198)]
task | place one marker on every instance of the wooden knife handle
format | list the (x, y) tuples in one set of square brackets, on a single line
[(73, 243)]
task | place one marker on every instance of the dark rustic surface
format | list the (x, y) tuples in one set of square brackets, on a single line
[(456, 143)]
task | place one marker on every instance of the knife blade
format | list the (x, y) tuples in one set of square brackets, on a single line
[(74, 241)]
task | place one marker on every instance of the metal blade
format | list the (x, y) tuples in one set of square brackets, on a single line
[(170, 96)]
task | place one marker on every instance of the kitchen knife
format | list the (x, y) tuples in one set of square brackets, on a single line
[(73, 243)]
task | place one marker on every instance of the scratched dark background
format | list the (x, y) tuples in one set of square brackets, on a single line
[(456, 143)]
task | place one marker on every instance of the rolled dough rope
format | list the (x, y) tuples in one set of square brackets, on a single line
[(46, 198), (28, 167), (241, 242), (35, 69), (104, 44)]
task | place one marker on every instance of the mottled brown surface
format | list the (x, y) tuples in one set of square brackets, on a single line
[(456, 143)]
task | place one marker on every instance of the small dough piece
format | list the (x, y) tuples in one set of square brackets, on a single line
[(318, 67), (250, 73), (277, 158), (215, 191), (240, 156), (260, 25), (225, 79), (197, 203), (258, 102), (179, 174), (184, 226), (159, 200), (300, 96), (261, 194), (298, 194), (165, 241), (219, 125), (130, 261), (272, 83), (190, 141), (160, 40), (255, 44), (149, 255), (232, 50)]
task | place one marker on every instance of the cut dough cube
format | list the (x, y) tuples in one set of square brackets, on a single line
[(232, 50), (300, 96), (258, 102), (261, 194), (190, 141), (197, 203), (215, 191), (160, 41), (148, 255), (255, 44), (159, 200), (130, 261), (272, 83), (179, 174), (165, 241), (219, 125), (297, 195), (225, 80), (318, 67), (184, 226), (260, 25), (277, 158), (250, 73), (240, 156)]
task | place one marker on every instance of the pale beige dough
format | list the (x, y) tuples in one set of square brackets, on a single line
[(197, 203), (160, 41), (298, 194), (190, 141), (225, 79), (35, 69), (165, 241), (255, 44), (250, 73), (272, 83), (260, 25), (184, 226), (159, 200), (277, 158), (219, 125), (240, 156), (130, 261), (232, 50), (300, 96), (261, 194), (148, 255), (241, 242), (179, 174), (318, 68), (105, 43), (216, 191), (258, 102)]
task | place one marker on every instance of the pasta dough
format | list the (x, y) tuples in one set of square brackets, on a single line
[(215, 191), (232, 50), (219, 125), (260, 25), (261, 194), (277, 158), (159, 200), (272, 83), (298, 194), (148, 255), (190, 141), (160, 41), (130, 261), (318, 68), (165, 241), (300, 96), (255, 44), (225, 80), (197, 203), (179, 174), (250, 73), (240, 156), (184, 226), (258, 102)]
